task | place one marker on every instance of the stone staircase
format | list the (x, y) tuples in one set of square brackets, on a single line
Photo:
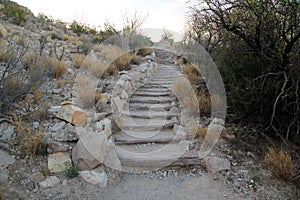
[(151, 135), (165, 57)]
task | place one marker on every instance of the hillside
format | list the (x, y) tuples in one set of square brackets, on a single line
[(80, 110)]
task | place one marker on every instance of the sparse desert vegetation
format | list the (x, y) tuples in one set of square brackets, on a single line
[(60, 81)]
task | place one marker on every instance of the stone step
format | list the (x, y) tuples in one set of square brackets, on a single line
[(143, 106), (157, 86), (156, 156), (151, 89), (144, 93), (153, 100), (137, 124), (145, 137), (150, 114)]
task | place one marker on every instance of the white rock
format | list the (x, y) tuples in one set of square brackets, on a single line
[(58, 126), (216, 164), (58, 162), (50, 182), (218, 121), (94, 178), (90, 150)]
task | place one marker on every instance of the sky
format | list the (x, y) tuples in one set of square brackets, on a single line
[(162, 14)]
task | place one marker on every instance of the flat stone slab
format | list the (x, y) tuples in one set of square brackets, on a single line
[(151, 114), (146, 125), (151, 93), (147, 106), (137, 137), (152, 99)]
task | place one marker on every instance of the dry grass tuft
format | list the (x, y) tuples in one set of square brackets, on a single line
[(201, 132), (123, 61), (186, 94), (85, 91), (29, 142), (111, 70), (96, 67), (203, 101), (59, 68), (192, 74), (78, 60), (280, 163), (37, 95), (60, 82)]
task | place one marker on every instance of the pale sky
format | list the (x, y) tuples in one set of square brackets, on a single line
[(163, 14)]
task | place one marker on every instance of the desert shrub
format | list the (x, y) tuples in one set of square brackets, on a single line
[(15, 12), (14, 82), (80, 28), (281, 164), (78, 60), (71, 171), (29, 142), (46, 65), (256, 46), (85, 47)]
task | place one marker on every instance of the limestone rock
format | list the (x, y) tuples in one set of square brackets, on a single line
[(58, 126), (73, 115), (37, 177), (90, 151), (104, 98), (104, 127), (55, 146), (216, 164), (58, 162), (3, 31), (111, 159), (5, 160), (94, 177), (180, 133), (50, 182)]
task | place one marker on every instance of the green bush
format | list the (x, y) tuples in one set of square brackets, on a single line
[(14, 11)]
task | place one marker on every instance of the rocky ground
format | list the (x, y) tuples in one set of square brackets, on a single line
[(229, 172)]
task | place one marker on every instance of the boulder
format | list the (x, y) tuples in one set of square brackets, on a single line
[(216, 164), (90, 151), (94, 177), (58, 162)]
